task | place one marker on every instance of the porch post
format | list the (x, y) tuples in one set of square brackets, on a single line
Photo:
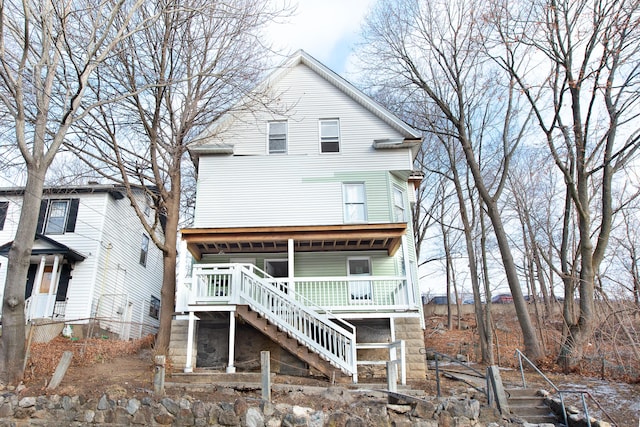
[(38, 279), (190, 332), (231, 369), (53, 286), (290, 266)]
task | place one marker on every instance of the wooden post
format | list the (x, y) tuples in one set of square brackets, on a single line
[(61, 369), (392, 376), (265, 367), (158, 375)]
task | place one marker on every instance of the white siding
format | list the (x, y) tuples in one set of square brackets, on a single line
[(254, 188), (108, 234)]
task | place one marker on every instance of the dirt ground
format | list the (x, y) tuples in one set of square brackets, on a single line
[(125, 369)]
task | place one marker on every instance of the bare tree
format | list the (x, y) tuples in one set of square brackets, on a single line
[(577, 62), (186, 70), (432, 52), (49, 52)]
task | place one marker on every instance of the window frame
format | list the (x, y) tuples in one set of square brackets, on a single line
[(59, 228), (144, 250), (272, 137), (361, 291), (398, 192), (329, 139), (347, 203), (4, 211), (154, 307)]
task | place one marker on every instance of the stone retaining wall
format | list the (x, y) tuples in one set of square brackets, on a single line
[(185, 411)]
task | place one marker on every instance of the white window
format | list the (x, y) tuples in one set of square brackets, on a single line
[(330, 136), (355, 207), (56, 217), (399, 211), (144, 250), (277, 137), (360, 291)]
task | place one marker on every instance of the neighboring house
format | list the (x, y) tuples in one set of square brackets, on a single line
[(91, 259), (302, 237)]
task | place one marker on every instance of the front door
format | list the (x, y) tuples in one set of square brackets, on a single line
[(44, 295)]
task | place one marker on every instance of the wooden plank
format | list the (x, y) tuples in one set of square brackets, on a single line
[(61, 369)]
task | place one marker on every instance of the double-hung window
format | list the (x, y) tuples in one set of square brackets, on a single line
[(154, 307), (57, 216), (144, 250), (399, 211), (278, 137), (330, 136), (355, 207)]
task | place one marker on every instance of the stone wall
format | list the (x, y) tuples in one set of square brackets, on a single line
[(185, 411), (409, 330)]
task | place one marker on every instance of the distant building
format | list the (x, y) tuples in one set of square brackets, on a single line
[(91, 259)]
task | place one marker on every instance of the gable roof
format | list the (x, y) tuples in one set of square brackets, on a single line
[(411, 135), (50, 247)]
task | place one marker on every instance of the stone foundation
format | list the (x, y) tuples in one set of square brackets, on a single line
[(410, 330)]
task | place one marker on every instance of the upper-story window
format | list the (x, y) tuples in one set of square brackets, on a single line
[(355, 206), (57, 216), (144, 250), (399, 211), (330, 136), (278, 137), (4, 208)]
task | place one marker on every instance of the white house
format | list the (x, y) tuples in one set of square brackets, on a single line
[(302, 238), (91, 259)]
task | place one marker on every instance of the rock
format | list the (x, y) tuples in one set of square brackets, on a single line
[(267, 408), (103, 403), (254, 418), (132, 406), (291, 420), (170, 405), (337, 419), (400, 409), (464, 408), (423, 409), (240, 407), (89, 416), (337, 394), (27, 402), (199, 409)]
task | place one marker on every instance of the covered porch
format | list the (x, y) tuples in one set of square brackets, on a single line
[(352, 295)]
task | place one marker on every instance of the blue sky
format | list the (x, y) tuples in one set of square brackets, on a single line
[(326, 29)]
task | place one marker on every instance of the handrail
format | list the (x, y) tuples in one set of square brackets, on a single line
[(336, 344), (561, 393), (454, 360)]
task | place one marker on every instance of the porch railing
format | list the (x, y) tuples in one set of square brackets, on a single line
[(330, 337), (213, 284)]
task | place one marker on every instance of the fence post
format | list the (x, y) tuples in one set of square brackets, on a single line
[(265, 367), (158, 375), (392, 376)]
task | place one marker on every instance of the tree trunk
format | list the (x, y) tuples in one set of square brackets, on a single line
[(13, 318), (170, 255)]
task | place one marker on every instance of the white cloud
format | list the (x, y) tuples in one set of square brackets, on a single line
[(326, 29)]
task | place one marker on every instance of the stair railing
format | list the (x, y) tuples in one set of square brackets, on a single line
[(521, 357), (315, 330)]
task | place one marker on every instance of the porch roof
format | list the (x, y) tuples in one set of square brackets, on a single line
[(307, 238)]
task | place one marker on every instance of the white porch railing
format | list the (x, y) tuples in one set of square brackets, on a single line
[(213, 284), (328, 336)]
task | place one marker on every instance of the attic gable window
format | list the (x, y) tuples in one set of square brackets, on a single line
[(57, 216), (330, 136), (278, 137)]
